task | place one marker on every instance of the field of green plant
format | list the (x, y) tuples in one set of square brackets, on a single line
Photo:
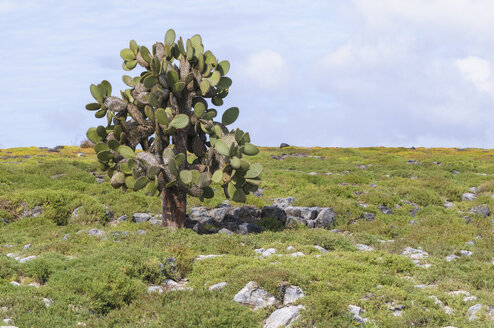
[(102, 280)]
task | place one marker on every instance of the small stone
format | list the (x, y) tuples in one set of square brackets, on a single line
[(225, 231), (297, 254), (283, 202), (47, 302), (313, 173), (96, 232), (459, 292), (364, 248), (255, 296), (469, 298), (369, 216), (27, 246), (246, 228), (415, 254), (472, 312), (321, 249), (448, 204), (66, 236), (265, 252), (466, 253), (123, 218), (471, 242), (385, 210), (155, 289), (218, 286), (291, 249), (481, 210), (29, 258), (204, 257), (373, 185), (356, 313), (468, 196), (283, 317), (141, 217), (141, 232), (292, 294), (451, 257), (15, 283)]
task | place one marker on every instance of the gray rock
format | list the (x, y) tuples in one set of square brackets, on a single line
[(27, 246), (26, 259), (15, 283), (321, 249), (373, 185), (325, 219), (415, 254), (284, 202), (254, 296), (218, 286), (468, 196), (364, 248), (481, 210), (123, 218), (472, 312), (413, 212), (141, 217), (294, 221), (155, 221), (66, 236), (96, 232), (47, 302), (466, 253), (448, 204), (4, 220), (451, 257), (356, 313), (225, 231), (246, 213), (296, 254), (257, 193), (155, 289), (283, 317), (385, 210), (204, 257), (220, 212), (265, 252), (198, 213), (369, 216), (274, 212), (291, 294), (283, 145), (246, 228), (141, 232)]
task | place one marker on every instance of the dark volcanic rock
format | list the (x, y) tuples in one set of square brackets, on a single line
[(274, 212)]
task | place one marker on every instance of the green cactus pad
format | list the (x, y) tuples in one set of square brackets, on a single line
[(153, 171), (170, 37), (179, 159), (204, 180), (151, 188), (223, 67), (131, 64), (199, 109), (113, 144), (235, 162), (204, 86), (171, 77), (217, 101), (140, 183), (129, 182), (100, 146), (217, 176), (133, 46), (222, 148), (96, 93), (127, 54), (180, 121), (254, 171), (145, 54), (101, 113), (224, 83), (150, 81), (105, 88), (214, 78), (117, 179), (250, 149), (101, 131), (207, 192), (186, 177), (230, 116), (161, 116), (93, 136), (105, 156), (178, 87), (172, 165), (126, 151)]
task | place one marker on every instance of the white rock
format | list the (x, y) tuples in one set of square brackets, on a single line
[(15, 283), (468, 196), (364, 248), (356, 313), (255, 296), (321, 249), (218, 286), (27, 246), (448, 204), (451, 257), (415, 254), (283, 317), (290, 249), (292, 294), (203, 257), (297, 254), (469, 298), (47, 302), (472, 312), (265, 252), (466, 253), (155, 289), (459, 292)]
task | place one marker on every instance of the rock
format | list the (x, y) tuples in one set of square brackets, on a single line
[(283, 145), (468, 196), (291, 249), (220, 212), (218, 286), (123, 218), (4, 220), (27, 246), (385, 210), (413, 212), (155, 221), (448, 204), (209, 256), (291, 294), (254, 296), (26, 259), (296, 254), (321, 249), (451, 257), (274, 212), (356, 313), (307, 213), (15, 283), (56, 176), (47, 302), (313, 173), (469, 298), (481, 210), (325, 219), (141, 217), (283, 317), (265, 252), (34, 212), (66, 236), (141, 232), (438, 302), (373, 185), (96, 232), (198, 213), (415, 254), (173, 285), (472, 312), (283, 202), (225, 231), (155, 289), (246, 228), (471, 242), (369, 216), (364, 248), (257, 193), (466, 253), (246, 213), (467, 219)]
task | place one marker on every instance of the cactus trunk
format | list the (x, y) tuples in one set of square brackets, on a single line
[(173, 205)]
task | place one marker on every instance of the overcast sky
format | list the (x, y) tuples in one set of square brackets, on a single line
[(308, 73)]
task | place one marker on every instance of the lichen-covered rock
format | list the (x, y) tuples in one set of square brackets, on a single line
[(325, 219), (283, 317), (291, 294), (254, 296), (481, 210), (274, 212)]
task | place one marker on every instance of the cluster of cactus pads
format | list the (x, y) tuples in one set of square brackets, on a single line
[(166, 111)]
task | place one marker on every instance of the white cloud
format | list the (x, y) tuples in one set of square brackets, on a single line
[(266, 69), (478, 71)]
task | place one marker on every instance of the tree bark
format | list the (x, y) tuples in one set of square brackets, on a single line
[(173, 205)]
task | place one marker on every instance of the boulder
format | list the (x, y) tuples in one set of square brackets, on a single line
[(283, 317), (220, 212), (246, 228), (141, 217), (325, 219), (274, 212), (291, 294), (246, 213), (468, 196), (481, 210), (254, 296), (283, 145)]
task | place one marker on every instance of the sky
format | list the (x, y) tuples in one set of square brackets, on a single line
[(335, 73)]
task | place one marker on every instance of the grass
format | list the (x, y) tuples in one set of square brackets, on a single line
[(102, 281)]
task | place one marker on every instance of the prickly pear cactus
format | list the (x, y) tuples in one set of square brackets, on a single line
[(166, 111)]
